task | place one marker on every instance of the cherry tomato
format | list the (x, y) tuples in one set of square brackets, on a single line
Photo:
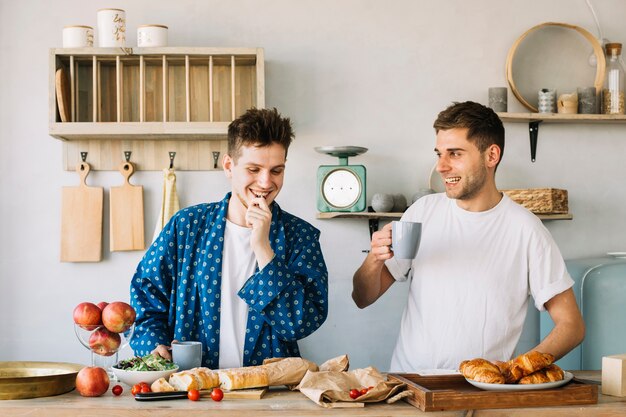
[(355, 393), (363, 391), (145, 389), (144, 384), (193, 394), (117, 390), (217, 394), (136, 389)]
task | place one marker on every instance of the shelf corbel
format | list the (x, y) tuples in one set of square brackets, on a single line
[(533, 130)]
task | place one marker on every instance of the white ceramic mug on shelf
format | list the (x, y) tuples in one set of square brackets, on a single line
[(111, 28), (151, 36), (77, 36)]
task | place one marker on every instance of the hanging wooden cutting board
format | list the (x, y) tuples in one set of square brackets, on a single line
[(127, 213), (81, 220)]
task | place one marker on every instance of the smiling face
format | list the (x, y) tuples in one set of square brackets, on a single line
[(468, 174), (257, 172)]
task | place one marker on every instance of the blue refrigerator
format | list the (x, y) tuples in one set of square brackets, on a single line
[(600, 289)]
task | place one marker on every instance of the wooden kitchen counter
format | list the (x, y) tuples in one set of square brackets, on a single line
[(277, 402)]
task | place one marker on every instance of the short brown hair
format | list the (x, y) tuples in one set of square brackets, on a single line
[(259, 127), (484, 126)]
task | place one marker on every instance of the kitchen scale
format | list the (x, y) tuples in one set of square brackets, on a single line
[(341, 187)]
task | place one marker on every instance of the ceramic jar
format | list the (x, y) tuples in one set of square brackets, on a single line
[(111, 28), (77, 36), (151, 36)]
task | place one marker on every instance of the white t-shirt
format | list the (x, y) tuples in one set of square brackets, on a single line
[(470, 282), (238, 264)]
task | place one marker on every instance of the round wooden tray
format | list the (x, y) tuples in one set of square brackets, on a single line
[(593, 43), (20, 380)]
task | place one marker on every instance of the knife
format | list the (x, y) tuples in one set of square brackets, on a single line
[(158, 396)]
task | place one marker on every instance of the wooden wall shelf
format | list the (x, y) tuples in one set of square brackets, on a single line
[(562, 118), (391, 216), (374, 218), (152, 101), (534, 119)]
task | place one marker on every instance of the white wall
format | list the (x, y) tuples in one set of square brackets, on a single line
[(365, 73)]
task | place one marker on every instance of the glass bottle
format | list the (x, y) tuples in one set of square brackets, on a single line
[(613, 90)]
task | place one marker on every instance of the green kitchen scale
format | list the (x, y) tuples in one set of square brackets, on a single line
[(341, 187)]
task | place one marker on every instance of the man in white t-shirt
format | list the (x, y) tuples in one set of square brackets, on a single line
[(240, 275), (480, 257)]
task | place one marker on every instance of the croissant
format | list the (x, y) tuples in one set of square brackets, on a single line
[(526, 364), (481, 370), (551, 373)]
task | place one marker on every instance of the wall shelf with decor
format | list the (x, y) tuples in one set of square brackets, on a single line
[(151, 101), (373, 218), (534, 119)]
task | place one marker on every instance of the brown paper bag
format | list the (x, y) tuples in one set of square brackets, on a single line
[(287, 371), (338, 364), (326, 387)]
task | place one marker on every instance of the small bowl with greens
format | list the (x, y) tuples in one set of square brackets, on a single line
[(146, 369)]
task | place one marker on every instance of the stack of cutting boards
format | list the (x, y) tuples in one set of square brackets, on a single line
[(81, 218)]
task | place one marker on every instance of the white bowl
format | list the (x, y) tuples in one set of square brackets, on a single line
[(131, 378)]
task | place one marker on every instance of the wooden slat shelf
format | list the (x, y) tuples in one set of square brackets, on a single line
[(152, 101)]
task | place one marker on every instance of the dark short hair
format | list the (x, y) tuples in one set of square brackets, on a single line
[(259, 127), (484, 126)]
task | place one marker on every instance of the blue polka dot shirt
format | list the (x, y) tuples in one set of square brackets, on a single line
[(176, 287)]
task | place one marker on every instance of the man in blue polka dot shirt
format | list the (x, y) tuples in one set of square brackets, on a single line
[(241, 275)]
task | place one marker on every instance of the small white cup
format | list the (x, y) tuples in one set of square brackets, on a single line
[(149, 36), (111, 28), (77, 36), (187, 354), (405, 239)]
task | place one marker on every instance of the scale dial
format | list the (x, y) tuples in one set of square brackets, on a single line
[(341, 188)]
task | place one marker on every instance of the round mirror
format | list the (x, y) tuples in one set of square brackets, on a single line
[(555, 56)]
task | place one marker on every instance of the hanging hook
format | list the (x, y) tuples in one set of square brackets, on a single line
[(172, 156), (216, 155), (127, 155), (83, 156)]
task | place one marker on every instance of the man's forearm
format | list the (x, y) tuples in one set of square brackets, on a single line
[(562, 339), (366, 283)]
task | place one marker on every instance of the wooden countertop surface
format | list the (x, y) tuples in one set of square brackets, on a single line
[(277, 402)]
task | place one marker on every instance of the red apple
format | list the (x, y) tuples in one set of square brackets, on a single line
[(118, 316), (87, 315), (104, 342), (102, 304), (92, 381)]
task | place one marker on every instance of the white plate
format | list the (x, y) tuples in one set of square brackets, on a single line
[(617, 254), (522, 387)]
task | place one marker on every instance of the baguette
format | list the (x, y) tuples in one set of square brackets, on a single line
[(161, 385), (206, 378), (242, 378), (195, 378), (184, 381)]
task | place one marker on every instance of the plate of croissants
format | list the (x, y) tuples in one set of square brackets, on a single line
[(530, 371)]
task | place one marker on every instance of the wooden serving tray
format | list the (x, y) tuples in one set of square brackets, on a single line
[(453, 392)]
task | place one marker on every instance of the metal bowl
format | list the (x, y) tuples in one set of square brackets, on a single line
[(20, 380)]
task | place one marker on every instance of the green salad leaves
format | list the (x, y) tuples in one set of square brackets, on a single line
[(150, 362)]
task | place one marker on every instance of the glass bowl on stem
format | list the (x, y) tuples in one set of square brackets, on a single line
[(103, 344)]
